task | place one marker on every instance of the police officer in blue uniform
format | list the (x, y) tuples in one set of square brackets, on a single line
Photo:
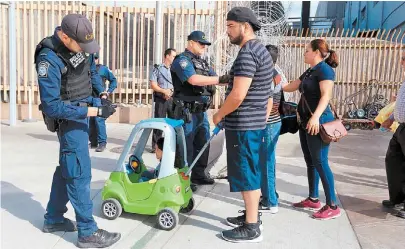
[(98, 131), (66, 77), (193, 82)]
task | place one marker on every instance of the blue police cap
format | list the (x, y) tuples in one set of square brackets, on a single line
[(198, 36)]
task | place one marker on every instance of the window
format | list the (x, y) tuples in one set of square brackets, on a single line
[(363, 13), (354, 24)]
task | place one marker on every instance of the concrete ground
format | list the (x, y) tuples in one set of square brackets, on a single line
[(29, 154)]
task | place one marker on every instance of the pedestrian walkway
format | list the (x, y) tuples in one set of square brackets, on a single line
[(29, 154)]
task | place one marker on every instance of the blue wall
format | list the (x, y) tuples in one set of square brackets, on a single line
[(378, 15)]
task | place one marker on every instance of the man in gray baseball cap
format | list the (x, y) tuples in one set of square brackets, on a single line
[(243, 14)]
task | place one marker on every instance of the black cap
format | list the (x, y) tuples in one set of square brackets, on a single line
[(243, 14), (78, 27), (198, 36)]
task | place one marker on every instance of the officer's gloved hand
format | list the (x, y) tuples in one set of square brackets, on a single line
[(105, 102), (225, 78), (104, 95), (106, 110)]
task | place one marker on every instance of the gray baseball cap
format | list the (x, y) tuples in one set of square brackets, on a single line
[(78, 27), (244, 14)]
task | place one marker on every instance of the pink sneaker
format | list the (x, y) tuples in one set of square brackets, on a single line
[(327, 213), (308, 204)]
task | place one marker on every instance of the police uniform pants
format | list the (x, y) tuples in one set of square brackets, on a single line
[(71, 180), (162, 109), (98, 131), (197, 133), (395, 166)]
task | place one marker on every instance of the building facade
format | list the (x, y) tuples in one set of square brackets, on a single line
[(373, 15)]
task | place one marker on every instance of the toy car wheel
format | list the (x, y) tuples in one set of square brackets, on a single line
[(348, 127), (167, 219), (189, 207), (111, 209)]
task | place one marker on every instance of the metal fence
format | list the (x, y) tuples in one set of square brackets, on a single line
[(126, 35), (364, 57)]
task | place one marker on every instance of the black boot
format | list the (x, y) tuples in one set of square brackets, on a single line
[(193, 187), (388, 204), (202, 179), (99, 239), (65, 226), (101, 147)]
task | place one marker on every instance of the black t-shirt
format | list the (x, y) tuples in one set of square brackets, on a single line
[(311, 89)]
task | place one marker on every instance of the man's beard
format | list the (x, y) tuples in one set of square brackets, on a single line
[(237, 40)]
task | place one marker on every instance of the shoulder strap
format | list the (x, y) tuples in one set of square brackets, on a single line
[(157, 68), (306, 103)]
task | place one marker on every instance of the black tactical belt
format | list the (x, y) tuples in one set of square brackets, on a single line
[(196, 107)]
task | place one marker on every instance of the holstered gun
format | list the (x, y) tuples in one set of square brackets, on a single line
[(181, 111), (52, 124)]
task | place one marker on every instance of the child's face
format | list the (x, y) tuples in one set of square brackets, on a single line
[(158, 152)]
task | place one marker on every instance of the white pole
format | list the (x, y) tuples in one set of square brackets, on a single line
[(157, 46), (29, 119), (158, 31), (158, 42), (12, 63), (30, 103)]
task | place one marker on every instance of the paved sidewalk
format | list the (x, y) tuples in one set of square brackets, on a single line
[(29, 154), (359, 169)]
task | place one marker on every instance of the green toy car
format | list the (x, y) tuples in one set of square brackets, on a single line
[(167, 194)]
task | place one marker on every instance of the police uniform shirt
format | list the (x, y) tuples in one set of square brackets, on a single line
[(183, 67), (106, 74), (162, 76), (49, 69)]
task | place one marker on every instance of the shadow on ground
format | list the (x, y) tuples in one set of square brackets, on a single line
[(14, 199)]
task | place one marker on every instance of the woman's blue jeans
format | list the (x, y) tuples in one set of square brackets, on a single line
[(268, 184), (316, 157)]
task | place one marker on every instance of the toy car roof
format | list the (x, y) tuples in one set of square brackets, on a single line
[(172, 122)]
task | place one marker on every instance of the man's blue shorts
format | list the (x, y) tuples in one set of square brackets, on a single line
[(245, 154)]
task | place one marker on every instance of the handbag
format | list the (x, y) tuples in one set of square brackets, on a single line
[(331, 131), (288, 114)]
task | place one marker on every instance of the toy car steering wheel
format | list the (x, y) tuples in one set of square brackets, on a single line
[(135, 164)]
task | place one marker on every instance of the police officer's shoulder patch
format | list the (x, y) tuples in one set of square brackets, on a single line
[(183, 63), (43, 69)]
